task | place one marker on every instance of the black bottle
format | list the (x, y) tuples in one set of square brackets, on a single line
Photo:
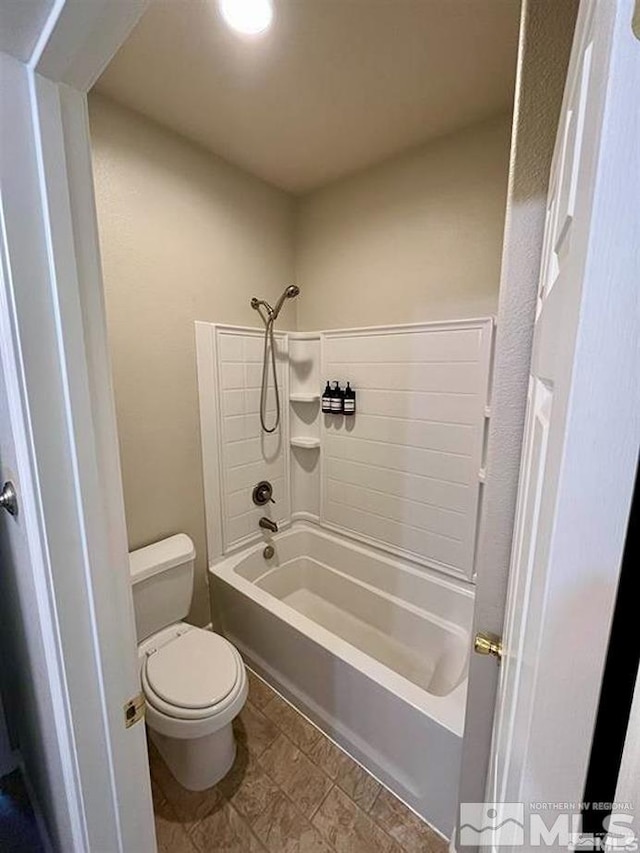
[(349, 401), (337, 400), (326, 399)]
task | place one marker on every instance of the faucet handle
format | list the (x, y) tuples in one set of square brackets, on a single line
[(262, 493)]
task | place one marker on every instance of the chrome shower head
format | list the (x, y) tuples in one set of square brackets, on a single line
[(289, 293), (271, 313)]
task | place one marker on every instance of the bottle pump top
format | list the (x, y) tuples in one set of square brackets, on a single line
[(336, 399)]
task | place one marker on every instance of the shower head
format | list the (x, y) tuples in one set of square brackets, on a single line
[(289, 293), (271, 313)]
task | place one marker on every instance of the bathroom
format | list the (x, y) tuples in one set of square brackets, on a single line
[(358, 154)]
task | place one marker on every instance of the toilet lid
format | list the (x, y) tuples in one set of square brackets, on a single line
[(196, 670)]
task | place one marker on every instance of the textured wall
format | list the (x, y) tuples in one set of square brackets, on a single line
[(545, 44), (415, 238), (184, 236)]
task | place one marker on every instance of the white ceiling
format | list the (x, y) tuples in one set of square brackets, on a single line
[(335, 85), (21, 22)]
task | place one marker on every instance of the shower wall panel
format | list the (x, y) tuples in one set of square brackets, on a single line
[(405, 473), (238, 453)]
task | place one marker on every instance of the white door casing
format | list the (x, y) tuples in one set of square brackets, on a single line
[(581, 433), (63, 410), (34, 707)]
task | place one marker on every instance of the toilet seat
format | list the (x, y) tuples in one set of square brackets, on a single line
[(195, 676)]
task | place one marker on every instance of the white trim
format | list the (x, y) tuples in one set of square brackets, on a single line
[(63, 395), (209, 420), (14, 315)]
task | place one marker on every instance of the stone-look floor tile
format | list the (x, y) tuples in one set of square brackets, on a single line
[(357, 783), (348, 829), (283, 829), (254, 730), (157, 794), (171, 836), (293, 724), (413, 834), (247, 787), (298, 777), (327, 756), (189, 806), (224, 831), (260, 694), (361, 787)]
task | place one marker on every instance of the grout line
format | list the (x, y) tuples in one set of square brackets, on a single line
[(402, 363), (404, 524), (371, 389), (329, 790), (343, 459), (383, 786), (411, 418), (397, 497), (296, 806), (244, 820), (403, 445)]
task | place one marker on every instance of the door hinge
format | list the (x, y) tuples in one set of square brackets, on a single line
[(134, 710), (488, 644)]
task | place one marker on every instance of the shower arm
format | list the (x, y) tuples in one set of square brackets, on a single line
[(264, 310)]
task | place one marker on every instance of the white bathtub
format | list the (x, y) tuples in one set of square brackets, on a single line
[(373, 650)]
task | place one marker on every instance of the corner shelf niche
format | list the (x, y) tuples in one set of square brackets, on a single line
[(304, 423), (306, 441), (304, 397)]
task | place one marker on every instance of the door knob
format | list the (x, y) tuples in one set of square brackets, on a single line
[(9, 498), (488, 644)]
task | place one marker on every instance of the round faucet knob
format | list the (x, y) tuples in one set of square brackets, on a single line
[(262, 493)]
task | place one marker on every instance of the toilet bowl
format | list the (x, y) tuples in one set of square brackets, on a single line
[(194, 681)]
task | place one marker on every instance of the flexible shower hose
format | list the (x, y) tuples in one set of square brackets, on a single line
[(269, 342)]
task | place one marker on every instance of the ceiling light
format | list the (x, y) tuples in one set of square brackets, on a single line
[(249, 17)]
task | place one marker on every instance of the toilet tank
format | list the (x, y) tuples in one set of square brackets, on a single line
[(162, 583)]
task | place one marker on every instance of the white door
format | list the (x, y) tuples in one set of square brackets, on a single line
[(29, 675), (581, 433), (78, 663)]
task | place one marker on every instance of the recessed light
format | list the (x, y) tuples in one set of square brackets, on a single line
[(248, 17)]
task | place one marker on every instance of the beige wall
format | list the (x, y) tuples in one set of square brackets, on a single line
[(184, 236), (416, 238)]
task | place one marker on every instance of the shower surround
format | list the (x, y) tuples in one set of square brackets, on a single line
[(363, 614)]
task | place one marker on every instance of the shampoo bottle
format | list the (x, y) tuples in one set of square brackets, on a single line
[(326, 399), (336, 400), (349, 402)]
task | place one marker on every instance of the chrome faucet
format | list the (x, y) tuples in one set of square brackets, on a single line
[(267, 524)]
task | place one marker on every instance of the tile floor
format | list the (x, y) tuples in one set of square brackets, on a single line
[(290, 791)]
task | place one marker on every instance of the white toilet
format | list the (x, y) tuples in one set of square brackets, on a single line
[(194, 681)]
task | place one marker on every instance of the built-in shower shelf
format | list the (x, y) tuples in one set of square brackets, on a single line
[(305, 441), (304, 398)]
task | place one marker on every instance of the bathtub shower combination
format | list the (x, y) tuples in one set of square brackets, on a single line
[(359, 608)]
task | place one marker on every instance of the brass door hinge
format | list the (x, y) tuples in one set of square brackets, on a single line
[(488, 644), (134, 710)]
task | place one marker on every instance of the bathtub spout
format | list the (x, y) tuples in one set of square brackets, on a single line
[(267, 524)]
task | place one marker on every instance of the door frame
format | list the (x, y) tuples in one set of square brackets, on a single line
[(56, 361), (589, 476)]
